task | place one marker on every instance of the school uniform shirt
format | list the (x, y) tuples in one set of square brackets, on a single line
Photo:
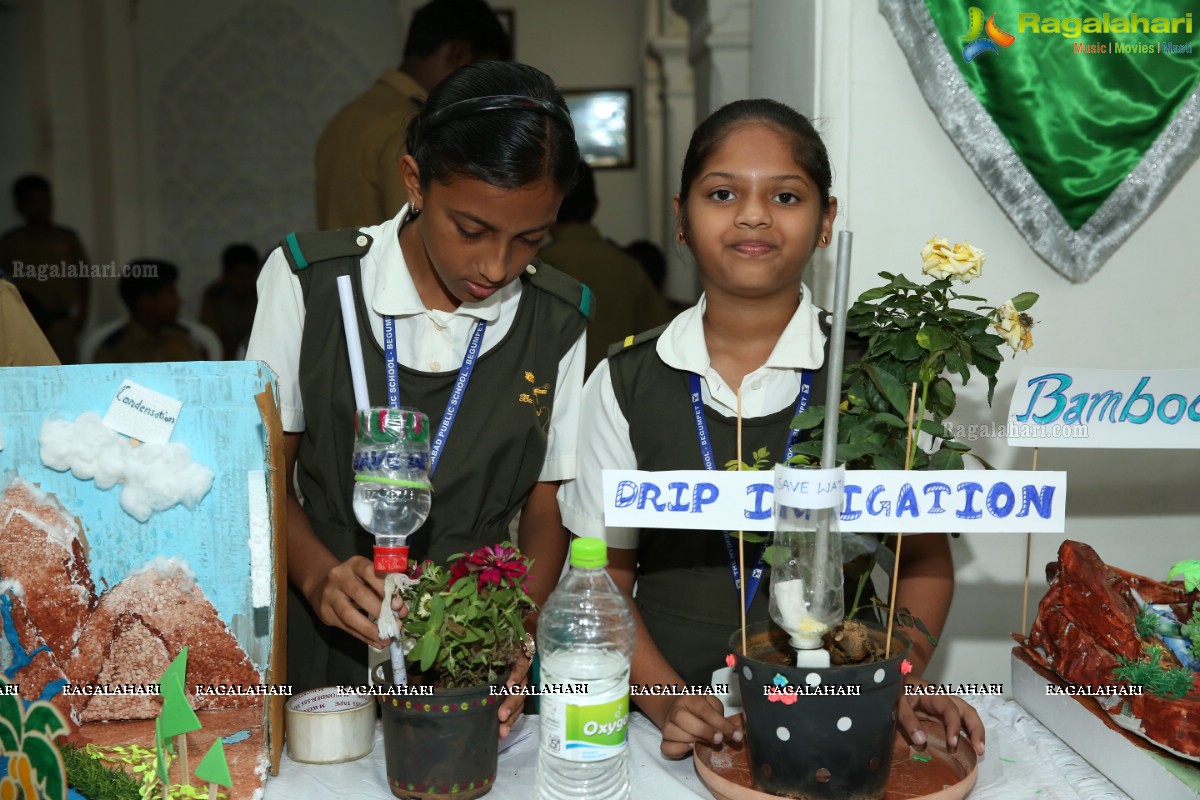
[(606, 443), (427, 340)]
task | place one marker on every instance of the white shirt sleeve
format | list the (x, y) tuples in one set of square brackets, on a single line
[(277, 332), (563, 439), (603, 444)]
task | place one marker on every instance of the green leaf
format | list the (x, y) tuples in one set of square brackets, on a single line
[(946, 458), (932, 338), (809, 418), (47, 764), (1188, 570), (1024, 301), (889, 387), (877, 293), (941, 394), (891, 420), (901, 282), (426, 650), (45, 718), (905, 346)]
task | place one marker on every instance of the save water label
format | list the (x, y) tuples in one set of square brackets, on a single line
[(585, 728)]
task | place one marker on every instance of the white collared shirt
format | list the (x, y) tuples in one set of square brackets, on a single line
[(604, 438), (427, 340)]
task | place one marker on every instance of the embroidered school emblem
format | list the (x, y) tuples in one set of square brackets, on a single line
[(535, 397)]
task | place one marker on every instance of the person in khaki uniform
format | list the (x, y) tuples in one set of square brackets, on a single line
[(31, 254), (22, 343), (627, 302), (358, 155), (153, 333)]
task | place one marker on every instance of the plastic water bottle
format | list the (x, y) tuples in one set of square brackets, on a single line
[(392, 492), (585, 639)]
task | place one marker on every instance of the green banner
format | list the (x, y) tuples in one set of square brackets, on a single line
[(1078, 116)]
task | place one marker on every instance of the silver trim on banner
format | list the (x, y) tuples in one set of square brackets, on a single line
[(1076, 255)]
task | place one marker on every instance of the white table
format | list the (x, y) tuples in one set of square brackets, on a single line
[(1023, 760)]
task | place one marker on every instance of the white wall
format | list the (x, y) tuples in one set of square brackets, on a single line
[(901, 180)]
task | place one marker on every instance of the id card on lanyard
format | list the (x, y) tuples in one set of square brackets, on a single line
[(456, 394), (706, 452)]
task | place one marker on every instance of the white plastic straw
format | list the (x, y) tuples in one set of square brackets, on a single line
[(358, 372), (358, 378)]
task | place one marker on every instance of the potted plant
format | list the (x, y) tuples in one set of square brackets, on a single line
[(463, 633), (912, 333)]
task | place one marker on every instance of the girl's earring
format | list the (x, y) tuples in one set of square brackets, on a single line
[(824, 239), (682, 239)]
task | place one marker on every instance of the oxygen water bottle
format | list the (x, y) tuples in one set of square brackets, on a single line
[(585, 641)]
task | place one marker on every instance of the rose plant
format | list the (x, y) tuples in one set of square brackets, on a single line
[(465, 621), (918, 333)]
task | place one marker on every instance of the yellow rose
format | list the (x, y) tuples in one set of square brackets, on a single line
[(1015, 326), (962, 261)]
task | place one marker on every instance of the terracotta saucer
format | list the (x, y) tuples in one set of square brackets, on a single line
[(947, 776)]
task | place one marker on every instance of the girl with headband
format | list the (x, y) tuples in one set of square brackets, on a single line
[(490, 157)]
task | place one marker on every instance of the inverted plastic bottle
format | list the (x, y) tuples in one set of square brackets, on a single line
[(585, 640)]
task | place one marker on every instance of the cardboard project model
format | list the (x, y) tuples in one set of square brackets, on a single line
[(138, 516)]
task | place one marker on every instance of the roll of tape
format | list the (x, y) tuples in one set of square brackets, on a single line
[(325, 726)]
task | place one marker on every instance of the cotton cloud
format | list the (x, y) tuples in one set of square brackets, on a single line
[(153, 477)]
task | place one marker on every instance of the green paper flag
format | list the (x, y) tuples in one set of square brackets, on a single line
[(177, 716), (1077, 116), (213, 768), (177, 669), (160, 751)]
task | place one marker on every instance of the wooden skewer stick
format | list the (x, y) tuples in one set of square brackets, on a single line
[(887, 648), (1028, 555), (741, 539)]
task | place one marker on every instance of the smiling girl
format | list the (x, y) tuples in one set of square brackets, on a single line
[(753, 206), (490, 157)]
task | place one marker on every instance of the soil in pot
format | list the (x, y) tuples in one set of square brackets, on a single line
[(818, 734)]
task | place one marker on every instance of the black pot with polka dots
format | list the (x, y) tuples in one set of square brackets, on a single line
[(817, 734)]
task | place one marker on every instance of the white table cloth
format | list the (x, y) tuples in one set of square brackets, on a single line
[(1023, 759)]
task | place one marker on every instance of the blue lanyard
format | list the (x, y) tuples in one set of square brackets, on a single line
[(456, 394), (710, 462)]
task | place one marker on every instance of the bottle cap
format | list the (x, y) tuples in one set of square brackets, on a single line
[(589, 553), (390, 559)]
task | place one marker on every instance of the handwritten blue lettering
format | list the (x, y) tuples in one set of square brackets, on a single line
[(1001, 500), (907, 501), (937, 490), (968, 510), (762, 508), (1138, 419)]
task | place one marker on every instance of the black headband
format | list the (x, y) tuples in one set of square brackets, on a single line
[(499, 102)]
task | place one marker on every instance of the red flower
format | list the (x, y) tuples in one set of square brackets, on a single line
[(492, 564), (776, 695), (905, 667), (731, 660)]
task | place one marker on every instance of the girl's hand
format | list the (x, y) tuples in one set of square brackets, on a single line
[(349, 598), (957, 715), (695, 718), (514, 705)]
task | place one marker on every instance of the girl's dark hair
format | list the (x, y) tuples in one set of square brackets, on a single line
[(807, 148), (505, 147)]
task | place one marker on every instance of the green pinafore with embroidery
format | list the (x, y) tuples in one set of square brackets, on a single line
[(492, 457)]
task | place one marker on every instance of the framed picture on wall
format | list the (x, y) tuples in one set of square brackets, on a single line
[(603, 125)]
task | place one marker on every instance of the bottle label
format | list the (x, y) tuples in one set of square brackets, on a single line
[(585, 727), (391, 559)]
